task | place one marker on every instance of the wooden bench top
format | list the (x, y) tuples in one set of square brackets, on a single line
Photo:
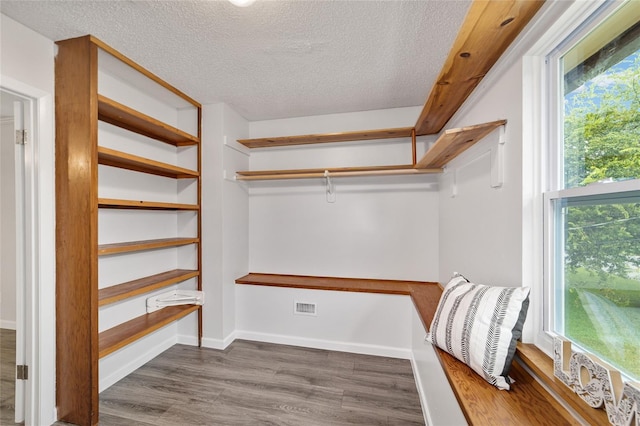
[(527, 403)]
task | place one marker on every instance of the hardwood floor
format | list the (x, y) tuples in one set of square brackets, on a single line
[(7, 376), (252, 383)]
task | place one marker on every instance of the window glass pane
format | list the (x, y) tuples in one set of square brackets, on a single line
[(601, 95), (598, 302)]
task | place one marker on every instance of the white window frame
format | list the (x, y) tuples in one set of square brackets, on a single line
[(541, 169)]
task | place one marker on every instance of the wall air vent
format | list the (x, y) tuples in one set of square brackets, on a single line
[(304, 308)]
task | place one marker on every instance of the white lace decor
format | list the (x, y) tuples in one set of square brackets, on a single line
[(597, 383)]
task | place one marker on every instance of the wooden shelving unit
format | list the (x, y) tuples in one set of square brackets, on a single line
[(133, 288), (402, 132), (122, 160), (118, 337), (110, 203), (131, 246), (122, 116), (449, 145), (454, 142), (333, 172), (79, 108)]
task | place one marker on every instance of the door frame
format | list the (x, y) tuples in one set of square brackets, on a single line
[(39, 248)]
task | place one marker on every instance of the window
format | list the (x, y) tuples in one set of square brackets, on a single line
[(593, 202)]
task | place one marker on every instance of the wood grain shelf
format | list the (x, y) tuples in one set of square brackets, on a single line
[(123, 291), (448, 146), (130, 246), (401, 132), (455, 141), (122, 116), (110, 203), (128, 332), (333, 172), (487, 31), (122, 160), (362, 285)]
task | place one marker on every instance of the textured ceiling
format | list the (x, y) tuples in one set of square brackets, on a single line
[(274, 59)]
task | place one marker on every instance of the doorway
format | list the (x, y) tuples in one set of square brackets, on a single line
[(13, 117)]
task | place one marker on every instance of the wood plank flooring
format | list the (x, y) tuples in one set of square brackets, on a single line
[(252, 383), (7, 376)]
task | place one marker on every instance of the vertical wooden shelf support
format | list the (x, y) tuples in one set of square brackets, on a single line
[(76, 78)]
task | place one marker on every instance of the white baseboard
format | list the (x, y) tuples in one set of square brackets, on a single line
[(220, 344), (421, 394), (184, 339), (208, 342), (359, 348), (134, 364), (8, 325)]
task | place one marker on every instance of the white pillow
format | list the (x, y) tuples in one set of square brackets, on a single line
[(480, 325)]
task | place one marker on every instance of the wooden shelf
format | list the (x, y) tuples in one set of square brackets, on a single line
[(487, 31), (333, 172), (105, 249), (122, 116), (448, 146), (123, 291), (401, 132), (109, 203), (363, 285), (455, 141), (121, 335), (122, 160)]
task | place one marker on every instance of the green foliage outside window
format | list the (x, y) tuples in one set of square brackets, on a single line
[(602, 237)]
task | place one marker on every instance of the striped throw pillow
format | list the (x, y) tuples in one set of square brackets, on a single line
[(480, 325)]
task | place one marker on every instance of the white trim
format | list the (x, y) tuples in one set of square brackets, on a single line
[(595, 189), (330, 345), (221, 344), (40, 245), (7, 324)]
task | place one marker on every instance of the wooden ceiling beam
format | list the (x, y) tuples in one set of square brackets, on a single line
[(488, 29)]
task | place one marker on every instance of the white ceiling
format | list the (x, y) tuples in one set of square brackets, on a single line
[(274, 59)]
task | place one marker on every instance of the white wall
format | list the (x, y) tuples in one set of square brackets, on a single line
[(225, 221), (379, 227), (366, 323), (27, 67), (481, 227), (7, 227)]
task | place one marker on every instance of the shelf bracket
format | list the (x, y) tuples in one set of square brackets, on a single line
[(174, 298), (497, 161), (331, 190)]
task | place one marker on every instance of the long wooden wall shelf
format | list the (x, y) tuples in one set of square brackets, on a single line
[(110, 203), (333, 172), (123, 291), (453, 142), (128, 332), (122, 160), (122, 116), (401, 132), (449, 145), (131, 246)]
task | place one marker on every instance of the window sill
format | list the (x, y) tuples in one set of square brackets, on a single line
[(542, 367)]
